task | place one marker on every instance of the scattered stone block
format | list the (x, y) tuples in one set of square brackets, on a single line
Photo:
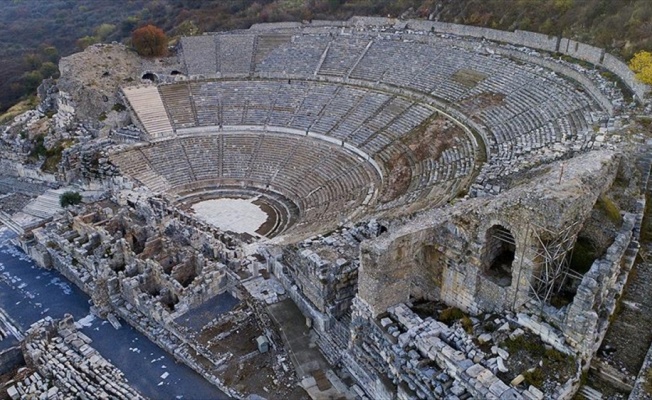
[(538, 394), (13, 393), (484, 338), (502, 353), (501, 365), (518, 380)]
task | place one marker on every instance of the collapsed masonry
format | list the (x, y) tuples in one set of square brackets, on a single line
[(64, 365), (483, 256)]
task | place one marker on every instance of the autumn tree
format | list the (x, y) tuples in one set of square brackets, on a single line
[(149, 41), (641, 64)]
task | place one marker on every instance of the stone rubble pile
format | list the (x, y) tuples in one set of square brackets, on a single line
[(67, 366)]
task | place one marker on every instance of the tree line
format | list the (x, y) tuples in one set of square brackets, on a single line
[(35, 33)]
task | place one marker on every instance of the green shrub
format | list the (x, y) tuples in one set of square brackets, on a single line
[(534, 378), (39, 149), (609, 208), (451, 314), (467, 324), (70, 199)]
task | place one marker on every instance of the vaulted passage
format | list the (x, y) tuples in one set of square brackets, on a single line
[(499, 254)]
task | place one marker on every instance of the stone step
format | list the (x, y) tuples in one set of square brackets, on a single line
[(10, 223), (46, 205), (146, 102), (589, 393)]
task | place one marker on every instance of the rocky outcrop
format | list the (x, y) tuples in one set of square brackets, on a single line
[(92, 79)]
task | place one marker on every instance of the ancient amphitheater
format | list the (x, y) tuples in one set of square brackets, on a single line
[(424, 185), (331, 126)]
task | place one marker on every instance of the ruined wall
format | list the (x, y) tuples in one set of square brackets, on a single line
[(160, 266), (10, 359), (454, 240), (581, 51), (447, 262), (67, 366), (587, 317), (621, 69), (321, 273), (404, 356)]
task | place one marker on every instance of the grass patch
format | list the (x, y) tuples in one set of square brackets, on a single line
[(468, 77), (522, 343), (53, 156), (18, 109), (555, 364), (609, 209), (451, 315), (534, 378), (467, 324), (647, 386), (646, 122)]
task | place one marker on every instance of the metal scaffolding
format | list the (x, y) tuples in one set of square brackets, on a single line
[(554, 250), (501, 233)]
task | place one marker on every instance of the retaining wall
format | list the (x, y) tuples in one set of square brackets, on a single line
[(11, 358)]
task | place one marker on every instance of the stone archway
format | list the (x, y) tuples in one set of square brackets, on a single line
[(498, 255), (149, 76)]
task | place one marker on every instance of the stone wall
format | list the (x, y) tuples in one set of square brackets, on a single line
[(587, 318), (10, 359), (621, 69), (581, 51), (158, 264), (440, 255), (12, 165)]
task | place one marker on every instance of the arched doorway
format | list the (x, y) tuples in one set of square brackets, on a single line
[(498, 255)]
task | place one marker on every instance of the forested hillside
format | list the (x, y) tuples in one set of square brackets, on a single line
[(35, 33)]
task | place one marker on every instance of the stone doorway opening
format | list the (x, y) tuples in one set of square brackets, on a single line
[(498, 255)]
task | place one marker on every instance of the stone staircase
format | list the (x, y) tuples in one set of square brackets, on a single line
[(589, 393), (148, 106), (9, 222), (46, 205)]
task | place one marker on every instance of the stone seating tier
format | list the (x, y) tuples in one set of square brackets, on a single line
[(367, 90)]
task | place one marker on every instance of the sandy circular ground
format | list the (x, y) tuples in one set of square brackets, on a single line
[(235, 215)]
